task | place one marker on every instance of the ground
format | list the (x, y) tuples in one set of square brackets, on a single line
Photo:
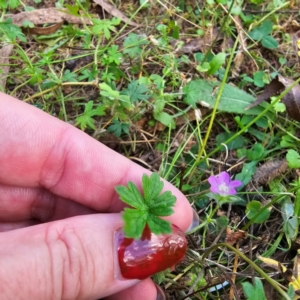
[(169, 85)]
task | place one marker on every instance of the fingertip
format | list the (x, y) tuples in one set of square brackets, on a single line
[(145, 290)]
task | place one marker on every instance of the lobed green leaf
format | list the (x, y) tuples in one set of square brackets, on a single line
[(131, 196), (135, 222), (152, 187), (158, 225)]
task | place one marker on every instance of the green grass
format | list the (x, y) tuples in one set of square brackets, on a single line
[(140, 90)]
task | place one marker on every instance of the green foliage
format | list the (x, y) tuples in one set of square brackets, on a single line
[(290, 221), (118, 128), (105, 26), (10, 4), (27, 24), (236, 143), (69, 76), (258, 152), (293, 159), (114, 96), (193, 278), (247, 172), (233, 100), (136, 91), (86, 119), (133, 45), (262, 33), (217, 61), (253, 208), (89, 74), (148, 208), (114, 56), (11, 31), (165, 119), (255, 291)]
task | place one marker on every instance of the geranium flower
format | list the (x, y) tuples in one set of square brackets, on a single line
[(222, 184)]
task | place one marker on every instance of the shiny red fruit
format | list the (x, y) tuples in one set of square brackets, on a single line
[(139, 259)]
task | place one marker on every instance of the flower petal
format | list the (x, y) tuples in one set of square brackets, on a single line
[(231, 191), (235, 184), (224, 177), (213, 180), (215, 189)]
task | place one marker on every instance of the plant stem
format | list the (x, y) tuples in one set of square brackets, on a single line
[(252, 264)]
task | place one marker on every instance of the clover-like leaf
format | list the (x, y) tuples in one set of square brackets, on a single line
[(146, 209)]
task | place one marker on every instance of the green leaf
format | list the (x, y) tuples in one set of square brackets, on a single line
[(114, 56), (13, 3), (287, 141), (269, 42), (222, 221), (152, 187), (136, 91), (255, 291), (69, 76), (134, 222), (165, 119), (233, 100), (238, 142), (293, 159), (118, 128), (27, 24), (131, 195), (261, 31), (105, 26), (256, 153), (290, 225), (148, 208), (88, 74), (108, 92), (86, 119), (158, 225), (12, 31), (247, 172), (133, 45), (73, 10), (253, 208), (217, 61)]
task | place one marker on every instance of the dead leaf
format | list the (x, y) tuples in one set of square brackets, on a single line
[(296, 42), (43, 30), (234, 237), (198, 44), (239, 58), (48, 16), (5, 52), (270, 170), (115, 12), (275, 87), (291, 99), (292, 276)]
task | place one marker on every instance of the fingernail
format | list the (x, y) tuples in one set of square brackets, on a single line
[(195, 221), (141, 258), (160, 293)]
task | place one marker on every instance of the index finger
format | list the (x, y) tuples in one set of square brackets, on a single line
[(38, 150)]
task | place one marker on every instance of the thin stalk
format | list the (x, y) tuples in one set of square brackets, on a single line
[(252, 264)]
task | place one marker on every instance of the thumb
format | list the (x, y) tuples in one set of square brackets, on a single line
[(67, 259)]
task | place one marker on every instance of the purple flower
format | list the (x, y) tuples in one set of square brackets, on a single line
[(222, 184)]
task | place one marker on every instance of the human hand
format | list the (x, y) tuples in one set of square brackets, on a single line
[(57, 193)]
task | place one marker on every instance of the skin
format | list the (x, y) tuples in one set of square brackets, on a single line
[(59, 210)]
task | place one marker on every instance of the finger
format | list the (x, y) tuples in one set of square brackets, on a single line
[(68, 259), (7, 226), (21, 204), (52, 154), (137, 292)]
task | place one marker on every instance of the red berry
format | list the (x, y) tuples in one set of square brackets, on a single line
[(139, 259)]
